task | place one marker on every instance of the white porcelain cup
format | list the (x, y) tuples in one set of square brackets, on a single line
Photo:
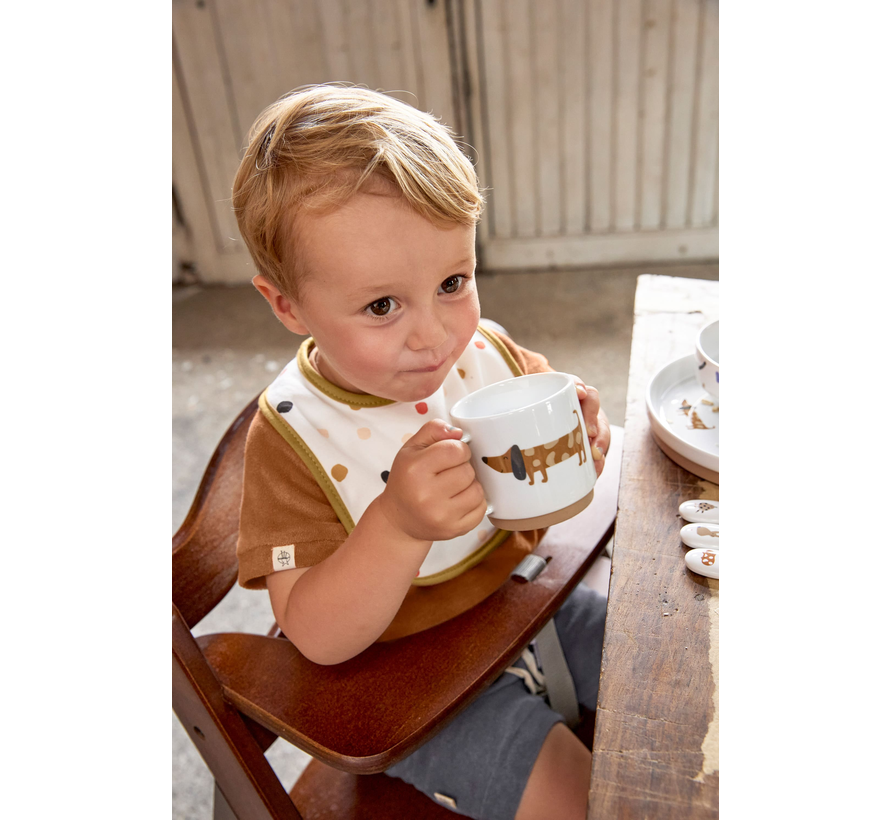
[(529, 449), (707, 352)]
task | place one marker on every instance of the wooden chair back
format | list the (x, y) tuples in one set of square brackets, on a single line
[(205, 566)]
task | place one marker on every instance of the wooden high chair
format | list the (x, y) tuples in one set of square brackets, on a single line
[(236, 693)]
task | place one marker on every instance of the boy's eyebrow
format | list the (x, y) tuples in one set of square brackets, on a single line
[(371, 291)]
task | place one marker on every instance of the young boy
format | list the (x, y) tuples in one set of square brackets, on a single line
[(361, 514)]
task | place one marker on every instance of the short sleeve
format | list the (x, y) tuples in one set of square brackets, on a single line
[(281, 506), (528, 360)]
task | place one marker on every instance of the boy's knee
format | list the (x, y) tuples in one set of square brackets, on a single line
[(559, 781)]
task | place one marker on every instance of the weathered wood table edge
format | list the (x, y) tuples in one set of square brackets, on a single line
[(655, 752)]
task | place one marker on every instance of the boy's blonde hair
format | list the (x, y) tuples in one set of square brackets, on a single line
[(316, 147)]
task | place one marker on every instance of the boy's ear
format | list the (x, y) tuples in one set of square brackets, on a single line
[(285, 308)]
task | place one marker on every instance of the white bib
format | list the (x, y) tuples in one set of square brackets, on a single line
[(349, 442)]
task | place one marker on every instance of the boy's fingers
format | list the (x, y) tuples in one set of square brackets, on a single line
[(437, 445), (433, 431), (590, 407), (591, 400), (456, 480), (474, 517), (599, 444), (585, 390)]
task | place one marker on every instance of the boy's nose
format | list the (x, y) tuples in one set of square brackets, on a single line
[(428, 333)]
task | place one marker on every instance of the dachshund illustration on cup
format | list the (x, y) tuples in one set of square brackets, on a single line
[(524, 463)]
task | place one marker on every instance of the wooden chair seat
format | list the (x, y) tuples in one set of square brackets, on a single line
[(235, 693)]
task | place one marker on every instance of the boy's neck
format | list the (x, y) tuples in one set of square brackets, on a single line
[(315, 362)]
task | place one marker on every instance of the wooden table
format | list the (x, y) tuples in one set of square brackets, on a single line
[(655, 752)]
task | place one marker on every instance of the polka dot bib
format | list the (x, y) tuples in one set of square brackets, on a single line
[(349, 440)]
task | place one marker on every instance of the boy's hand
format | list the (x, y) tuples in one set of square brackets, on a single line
[(432, 493), (598, 433)]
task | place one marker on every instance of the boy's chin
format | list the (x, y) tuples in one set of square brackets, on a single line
[(411, 393)]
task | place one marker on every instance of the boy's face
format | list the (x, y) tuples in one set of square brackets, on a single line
[(389, 297)]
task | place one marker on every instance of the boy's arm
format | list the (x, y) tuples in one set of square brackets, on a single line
[(339, 607)]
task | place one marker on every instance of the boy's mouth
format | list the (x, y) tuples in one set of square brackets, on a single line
[(430, 369)]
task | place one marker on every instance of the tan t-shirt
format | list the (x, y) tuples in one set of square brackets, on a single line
[(283, 504)]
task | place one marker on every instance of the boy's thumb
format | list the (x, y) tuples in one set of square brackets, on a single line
[(433, 431)]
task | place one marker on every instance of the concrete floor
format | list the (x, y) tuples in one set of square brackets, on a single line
[(227, 346)]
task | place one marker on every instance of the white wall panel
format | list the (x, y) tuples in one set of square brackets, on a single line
[(599, 120), (232, 58), (594, 122)]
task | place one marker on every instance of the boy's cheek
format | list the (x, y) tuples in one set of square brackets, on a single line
[(470, 324)]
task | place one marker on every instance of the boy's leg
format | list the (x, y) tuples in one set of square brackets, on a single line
[(480, 763), (559, 781), (508, 747)]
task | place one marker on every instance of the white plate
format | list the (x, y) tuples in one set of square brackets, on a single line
[(684, 419)]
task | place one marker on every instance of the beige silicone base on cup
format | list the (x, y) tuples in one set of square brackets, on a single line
[(540, 521)]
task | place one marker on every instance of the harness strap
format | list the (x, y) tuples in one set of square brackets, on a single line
[(560, 687)]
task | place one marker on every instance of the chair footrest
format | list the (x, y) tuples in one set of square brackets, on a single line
[(323, 793)]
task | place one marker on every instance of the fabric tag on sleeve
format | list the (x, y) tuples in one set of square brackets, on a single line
[(283, 557)]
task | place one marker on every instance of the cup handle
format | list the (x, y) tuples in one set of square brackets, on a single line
[(466, 438)]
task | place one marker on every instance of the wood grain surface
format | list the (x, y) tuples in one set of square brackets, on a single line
[(655, 749)]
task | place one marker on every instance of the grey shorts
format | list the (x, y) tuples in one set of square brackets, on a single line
[(482, 760)]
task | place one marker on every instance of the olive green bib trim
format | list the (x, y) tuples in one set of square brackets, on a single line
[(502, 349), (302, 450), (319, 382), (470, 561)]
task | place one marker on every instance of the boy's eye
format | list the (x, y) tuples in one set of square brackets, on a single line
[(452, 284), (381, 307)]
